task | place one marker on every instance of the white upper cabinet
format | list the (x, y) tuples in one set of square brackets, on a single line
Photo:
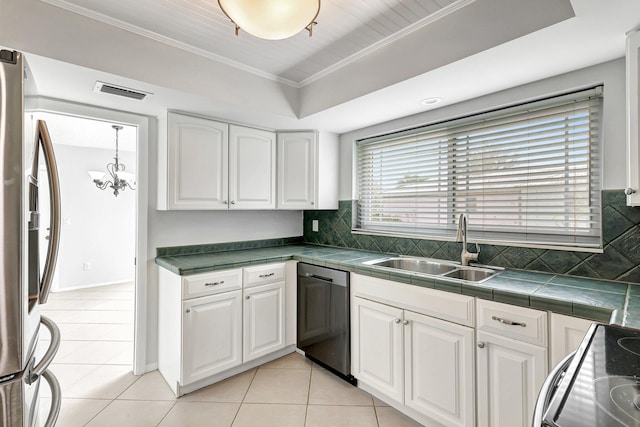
[(296, 170), (307, 170), (196, 163), (633, 119), (204, 164), (252, 168)]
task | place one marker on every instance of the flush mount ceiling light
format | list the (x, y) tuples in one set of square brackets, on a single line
[(431, 101), (272, 19)]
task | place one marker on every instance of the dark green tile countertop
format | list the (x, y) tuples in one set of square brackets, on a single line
[(600, 300)]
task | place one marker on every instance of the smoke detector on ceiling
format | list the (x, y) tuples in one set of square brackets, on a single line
[(121, 91)]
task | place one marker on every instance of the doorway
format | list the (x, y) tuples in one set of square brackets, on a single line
[(97, 247), (144, 126), (92, 298)]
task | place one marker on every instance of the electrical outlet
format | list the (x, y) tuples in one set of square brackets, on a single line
[(86, 266), (314, 225)]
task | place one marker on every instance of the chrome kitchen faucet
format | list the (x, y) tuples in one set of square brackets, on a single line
[(465, 256)]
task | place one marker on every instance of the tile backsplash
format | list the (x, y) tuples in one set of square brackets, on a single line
[(621, 238), (225, 247)]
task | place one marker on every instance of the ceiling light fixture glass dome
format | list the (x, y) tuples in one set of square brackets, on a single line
[(272, 19)]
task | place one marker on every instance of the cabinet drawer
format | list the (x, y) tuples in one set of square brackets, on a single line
[(263, 274), (524, 324), (211, 283)]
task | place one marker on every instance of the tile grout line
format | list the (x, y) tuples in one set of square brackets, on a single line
[(175, 402), (306, 409), (243, 398), (88, 343), (375, 412)]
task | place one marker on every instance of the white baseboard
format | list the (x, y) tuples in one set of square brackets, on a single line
[(182, 390), (150, 367), (91, 285)]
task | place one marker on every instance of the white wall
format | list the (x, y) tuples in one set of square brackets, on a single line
[(611, 73), (179, 228), (97, 227)]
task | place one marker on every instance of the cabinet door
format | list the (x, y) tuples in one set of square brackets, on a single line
[(197, 162), (633, 118), (510, 374), (263, 320), (376, 343), (296, 170), (566, 335), (439, 371), (211, 335), (252, 168)]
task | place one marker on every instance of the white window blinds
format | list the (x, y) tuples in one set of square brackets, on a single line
[(524, 175)]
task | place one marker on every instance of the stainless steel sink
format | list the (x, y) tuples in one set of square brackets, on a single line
[(443, 270), (471, 274), (416, 265)]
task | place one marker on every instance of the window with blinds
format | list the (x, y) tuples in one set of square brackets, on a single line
[(528, 174)]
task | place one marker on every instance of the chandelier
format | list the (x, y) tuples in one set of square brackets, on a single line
[(272, 19), (117, 179)]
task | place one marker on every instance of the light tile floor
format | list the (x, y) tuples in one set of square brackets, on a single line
[(98, 388)]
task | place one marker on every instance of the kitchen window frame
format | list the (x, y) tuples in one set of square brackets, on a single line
[(578, 94)]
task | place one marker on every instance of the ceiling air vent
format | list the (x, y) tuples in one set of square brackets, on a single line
[(120, 91)]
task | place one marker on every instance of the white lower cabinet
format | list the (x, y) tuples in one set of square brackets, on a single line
[(566, 334), (377, 343), (263, 320), (511, 363), (423, 363), (510, 374), (215, 325), (439, 372), (208, 350)]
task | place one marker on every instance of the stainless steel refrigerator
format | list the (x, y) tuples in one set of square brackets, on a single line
[(24, 286)]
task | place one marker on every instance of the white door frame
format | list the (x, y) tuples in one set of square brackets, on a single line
[(41, 104)]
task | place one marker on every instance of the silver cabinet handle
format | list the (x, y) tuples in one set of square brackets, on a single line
[(214, 283), (225, 202), (397, 320), (247, 297), (508, 322), (629, 191), (233, 202), (312, 203), (266, 275), (405, 323), (480, 344), (188, 310)]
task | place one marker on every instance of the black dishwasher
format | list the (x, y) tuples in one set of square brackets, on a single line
[(323, 318)]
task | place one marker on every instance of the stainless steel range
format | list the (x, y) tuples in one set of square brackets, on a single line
[(22, 288), (599, 385)]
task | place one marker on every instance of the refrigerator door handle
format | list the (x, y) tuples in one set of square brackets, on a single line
[(42, 136), (56, 398), (46, 360)]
